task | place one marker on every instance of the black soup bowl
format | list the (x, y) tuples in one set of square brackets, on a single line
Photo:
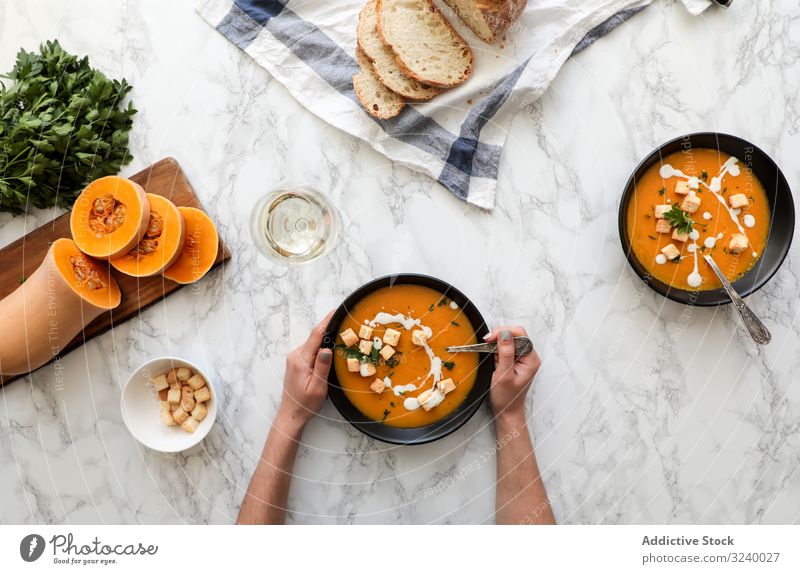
[(781, 214), (440, 428)]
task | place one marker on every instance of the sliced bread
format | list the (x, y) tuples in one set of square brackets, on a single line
[(377, 99), (383, 58), (426, 46), (489, 19)]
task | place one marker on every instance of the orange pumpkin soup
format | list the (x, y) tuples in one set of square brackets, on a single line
[(697, 202), (391, 361)]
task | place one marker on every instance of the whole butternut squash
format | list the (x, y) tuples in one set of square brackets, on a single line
[(66, 293)]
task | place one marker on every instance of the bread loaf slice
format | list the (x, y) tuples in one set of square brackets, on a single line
[(377, 99), (489, 19), (383, 59), (426, 46)]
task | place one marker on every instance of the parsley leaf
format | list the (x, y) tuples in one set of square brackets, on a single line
[(354, 353), (679, 219), (449, 365)]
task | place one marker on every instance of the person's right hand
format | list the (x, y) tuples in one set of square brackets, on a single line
[(512, 375), (305, 384)]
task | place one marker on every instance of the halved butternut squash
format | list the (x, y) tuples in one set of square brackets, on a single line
[(66, 293), (199, 248), (110, 217), (162, 243)]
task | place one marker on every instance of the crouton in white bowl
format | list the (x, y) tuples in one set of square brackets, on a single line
[(169, 404)]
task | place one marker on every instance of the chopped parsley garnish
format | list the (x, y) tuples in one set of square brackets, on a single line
[(704, 175), (354, 353), (679, 219), (653, 237), (442, 301), (430, 309), (662, 191), (386, 413), (454, 324), (449, 365), (393, 361)]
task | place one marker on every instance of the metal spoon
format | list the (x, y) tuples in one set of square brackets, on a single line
[(757, 329), (522, 346)]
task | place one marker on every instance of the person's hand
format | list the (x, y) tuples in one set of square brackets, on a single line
[(512, 375), (305, 384)]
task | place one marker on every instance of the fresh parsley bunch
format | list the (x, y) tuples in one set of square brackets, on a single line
[(62, 124)]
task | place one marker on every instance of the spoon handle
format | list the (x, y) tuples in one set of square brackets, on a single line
[(522, 346), (758, 331)]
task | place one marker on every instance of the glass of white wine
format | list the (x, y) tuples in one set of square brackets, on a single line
[(295, 224)]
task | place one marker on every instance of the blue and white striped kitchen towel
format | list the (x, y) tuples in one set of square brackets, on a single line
[(457, 138)]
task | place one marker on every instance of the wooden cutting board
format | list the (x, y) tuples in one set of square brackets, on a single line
[(23, 257)]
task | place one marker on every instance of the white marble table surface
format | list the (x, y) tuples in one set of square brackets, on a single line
[(645, 411)]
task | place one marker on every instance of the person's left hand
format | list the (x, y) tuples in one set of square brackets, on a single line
[(305, 384)]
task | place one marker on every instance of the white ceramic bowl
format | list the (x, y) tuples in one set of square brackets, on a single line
[(140, 408)]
